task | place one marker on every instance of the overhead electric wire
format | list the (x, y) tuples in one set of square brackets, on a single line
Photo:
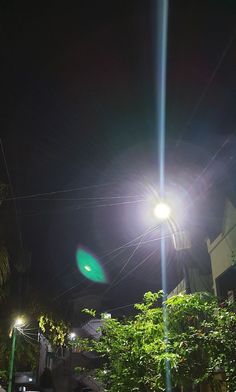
[(86, 187), (206, 190), (128, 260), (121, 248), (133, 269), (92, 283), (226, 141), (113, 204), (121, 307), (127, 243), (141, 263), (81, 207), (105, 264), (78, 208), (67, 290), (86, 198), (206, 88), (12, 193)]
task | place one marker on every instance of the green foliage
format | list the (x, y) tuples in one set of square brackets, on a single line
[(197, 341), (55, 331), (79, 370), (89, 312), (3, 377), (26, 353)]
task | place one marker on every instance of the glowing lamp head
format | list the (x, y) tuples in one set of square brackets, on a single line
[(162, 211), (19, 322)]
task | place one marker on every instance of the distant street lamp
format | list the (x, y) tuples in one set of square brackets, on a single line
[(181, 240), (18, 324), (72, 336)]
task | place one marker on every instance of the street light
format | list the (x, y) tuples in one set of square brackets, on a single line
[(18, 324), (72, 336), (162, 211)]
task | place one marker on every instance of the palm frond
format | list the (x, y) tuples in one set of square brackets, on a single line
[(4, 265)]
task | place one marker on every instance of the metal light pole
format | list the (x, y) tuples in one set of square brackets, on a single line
[(18, 323), (181, 239), (12, 356)]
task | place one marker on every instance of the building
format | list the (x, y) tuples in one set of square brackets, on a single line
[(222, 251)]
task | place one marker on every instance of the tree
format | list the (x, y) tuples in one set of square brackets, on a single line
[(4, 256), (20, 295), (38, 315), (56, 331), (196, 341), (4, 265)]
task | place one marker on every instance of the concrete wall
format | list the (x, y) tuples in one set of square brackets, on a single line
[(45, 347), (222, 250)]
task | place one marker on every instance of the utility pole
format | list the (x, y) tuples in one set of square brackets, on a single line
[(17, 326), (12, 356)]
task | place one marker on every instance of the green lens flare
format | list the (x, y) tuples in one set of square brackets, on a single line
[(89, 266)]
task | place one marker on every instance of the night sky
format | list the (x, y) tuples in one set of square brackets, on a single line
[(78, 111)]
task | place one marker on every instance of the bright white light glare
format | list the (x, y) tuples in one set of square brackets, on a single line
[(30, 379), (88, 268), (162, 211), (19, 322), (106, 315), (72, 335)]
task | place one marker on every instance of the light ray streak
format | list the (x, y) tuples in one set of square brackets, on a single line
[(133, 269), (162, 23), (161, 87), (127, 261)]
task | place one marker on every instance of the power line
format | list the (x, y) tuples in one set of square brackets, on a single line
[(12, 193), (133, 269), (83, 198), (146, 232), (105, 264), (206, 88), (121, 307), (226, 141), (34, 195)]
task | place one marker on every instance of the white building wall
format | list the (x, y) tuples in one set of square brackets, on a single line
[(223, 249)]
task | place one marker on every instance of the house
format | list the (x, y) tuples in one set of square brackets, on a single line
[(194, 267), (222, 251)]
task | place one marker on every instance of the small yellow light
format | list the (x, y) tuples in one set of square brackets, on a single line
[(19, 322)]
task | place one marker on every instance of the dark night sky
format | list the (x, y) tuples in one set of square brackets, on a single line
[(78, 109)]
